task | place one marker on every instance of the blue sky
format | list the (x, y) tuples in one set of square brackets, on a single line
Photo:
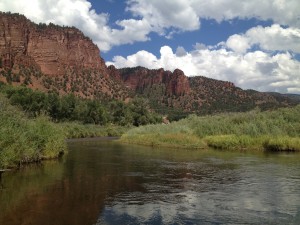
[(253, 43), (211, 32)]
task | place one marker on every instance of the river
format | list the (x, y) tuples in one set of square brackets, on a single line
[(104, 182)]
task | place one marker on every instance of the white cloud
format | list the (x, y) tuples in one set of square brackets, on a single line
[(273, 38), (238, 43), (180, 51), (165, 14), (142, 58), (253, 70), (184, 15)]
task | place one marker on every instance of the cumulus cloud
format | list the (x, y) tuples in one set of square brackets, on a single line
[(238, 43), (165, 14), (180, 51), (185, 15), (253, 70), (273, 38), (169, 16)]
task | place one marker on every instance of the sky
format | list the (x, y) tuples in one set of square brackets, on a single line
[(253, 43)]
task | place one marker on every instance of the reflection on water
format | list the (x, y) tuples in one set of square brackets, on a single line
[(103, 182)]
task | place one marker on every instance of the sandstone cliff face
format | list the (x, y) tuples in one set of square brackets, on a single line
[(139, 78), (178, 83), (51, 48), (53, 58), (114, 73)]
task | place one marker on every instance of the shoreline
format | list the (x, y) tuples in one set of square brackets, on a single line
[(277, 130), (204, 146), (99, 138), (268, 145)]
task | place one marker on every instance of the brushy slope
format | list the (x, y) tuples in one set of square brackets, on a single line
[(270, 130)]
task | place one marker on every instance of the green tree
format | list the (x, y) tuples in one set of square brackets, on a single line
[(67, 106), (121, 113), (96, 113)]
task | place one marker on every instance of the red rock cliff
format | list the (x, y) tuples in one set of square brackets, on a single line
[(52, 48), (139, 78)]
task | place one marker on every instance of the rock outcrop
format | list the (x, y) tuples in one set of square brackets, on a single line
[(139, 78), (53, 58), (52, 48)]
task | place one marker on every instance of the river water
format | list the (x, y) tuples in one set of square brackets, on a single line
[(104, 182)]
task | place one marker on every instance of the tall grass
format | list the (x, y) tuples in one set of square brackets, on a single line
[(271, 130), (78, 130), (24, 140)]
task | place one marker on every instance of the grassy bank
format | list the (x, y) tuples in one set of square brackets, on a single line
[(24, 140), (78, 130), (276, 130)]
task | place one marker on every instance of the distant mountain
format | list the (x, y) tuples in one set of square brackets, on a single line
[(64, 60), (293, 97)]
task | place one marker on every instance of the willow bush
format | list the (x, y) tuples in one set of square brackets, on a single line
[(24, 140)]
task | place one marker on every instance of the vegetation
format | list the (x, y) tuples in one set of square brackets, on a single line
[(28, 133), (23, 140), (270, 130), (77, 130), (29, 130), (71, 108)]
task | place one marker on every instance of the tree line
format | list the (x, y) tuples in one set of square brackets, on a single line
[(72, 108)]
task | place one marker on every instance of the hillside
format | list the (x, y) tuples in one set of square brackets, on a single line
[(63, 60), (53, 58), (177, 95)]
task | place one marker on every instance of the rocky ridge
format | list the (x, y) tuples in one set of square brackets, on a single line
[(178, 94)]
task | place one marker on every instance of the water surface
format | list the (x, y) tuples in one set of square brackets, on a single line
[(104, 182)]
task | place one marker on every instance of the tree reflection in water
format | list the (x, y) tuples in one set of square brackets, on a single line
[(103, 182)]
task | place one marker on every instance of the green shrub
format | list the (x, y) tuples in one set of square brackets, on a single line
[(24, 140)]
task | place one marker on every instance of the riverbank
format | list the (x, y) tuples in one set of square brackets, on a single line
[(78, 130), (25, 140), (277, 130)]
